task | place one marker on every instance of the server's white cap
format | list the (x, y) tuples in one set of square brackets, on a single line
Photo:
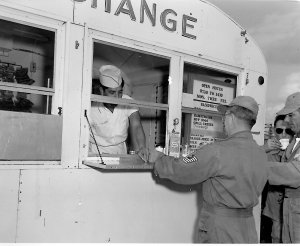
[(110, 76)]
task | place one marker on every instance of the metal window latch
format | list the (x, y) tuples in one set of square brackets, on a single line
[(76, 44), (247, 79), (59, 111), (175, 121)]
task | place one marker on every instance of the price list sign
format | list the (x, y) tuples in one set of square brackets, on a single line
[(205, 129), (207, 124), (198, 140), (208, 95)]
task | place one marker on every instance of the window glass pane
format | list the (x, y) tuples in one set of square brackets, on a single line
[(30, 137), (199, 129), (153, 123), (26, 59), (25, 102), (145, 76), (26, 94), (203, 90), (120, 73), (29, 51)]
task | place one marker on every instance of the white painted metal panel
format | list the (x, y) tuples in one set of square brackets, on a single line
[(72, 95), (57, 9), (91, 206), (30, 136), (217, 36), (9, 185), (259, 93)]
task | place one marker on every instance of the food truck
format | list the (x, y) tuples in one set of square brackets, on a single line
[(179, 59)]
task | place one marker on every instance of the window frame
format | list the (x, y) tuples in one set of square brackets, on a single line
[(239, 72), (104, 38), (58, 26), (61, 55), (177, 61)]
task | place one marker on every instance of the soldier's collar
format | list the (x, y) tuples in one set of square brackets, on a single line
[(244, 133)]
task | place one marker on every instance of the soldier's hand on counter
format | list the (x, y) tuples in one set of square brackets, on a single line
[(155, 155)]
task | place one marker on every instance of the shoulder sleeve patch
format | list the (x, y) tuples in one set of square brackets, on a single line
[(190, 158)]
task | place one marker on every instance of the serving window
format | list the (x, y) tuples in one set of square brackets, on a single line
[(203, 90), (32, 125), (144, 90)]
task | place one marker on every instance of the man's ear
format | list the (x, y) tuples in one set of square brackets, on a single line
[(232, 117)]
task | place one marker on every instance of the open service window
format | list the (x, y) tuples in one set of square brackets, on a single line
[(203, 90), (129, 104), (29, 129)]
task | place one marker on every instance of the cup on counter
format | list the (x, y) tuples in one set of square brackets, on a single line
[(284, 143)]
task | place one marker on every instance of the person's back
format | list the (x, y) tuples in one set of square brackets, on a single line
[(231, 194), (241, 162)]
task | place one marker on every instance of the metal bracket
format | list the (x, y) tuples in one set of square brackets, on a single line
[(76, 44), (59, 111), (94, 4)]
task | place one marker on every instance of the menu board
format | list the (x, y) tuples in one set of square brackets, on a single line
[(206, 123), (198, 140), (204, 129), (208, 95)]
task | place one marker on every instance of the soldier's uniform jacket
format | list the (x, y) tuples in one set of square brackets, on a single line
[(233, 172), (274, 198), (287, 172)]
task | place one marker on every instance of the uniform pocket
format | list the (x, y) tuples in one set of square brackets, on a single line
[(202, 233), (202, 237)]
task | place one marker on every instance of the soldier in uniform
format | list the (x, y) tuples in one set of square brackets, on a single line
[(233, 173)]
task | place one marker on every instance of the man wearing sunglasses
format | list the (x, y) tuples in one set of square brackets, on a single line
[(288, 173), (274, 198), (233, 173), (281, 131)]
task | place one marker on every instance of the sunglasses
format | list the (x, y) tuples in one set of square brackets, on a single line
[(287, 131)]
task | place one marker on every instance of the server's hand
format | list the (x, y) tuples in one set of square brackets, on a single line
[(143, 153)]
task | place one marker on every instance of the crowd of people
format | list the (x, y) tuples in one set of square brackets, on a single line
[(233, 171)]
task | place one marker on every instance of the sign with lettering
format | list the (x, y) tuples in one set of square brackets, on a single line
[(204, 129), (208, 95), (198, 140), (145, 11), (206, 123)]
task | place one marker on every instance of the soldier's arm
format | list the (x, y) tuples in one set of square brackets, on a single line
[(285, 173), (195, 168)]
